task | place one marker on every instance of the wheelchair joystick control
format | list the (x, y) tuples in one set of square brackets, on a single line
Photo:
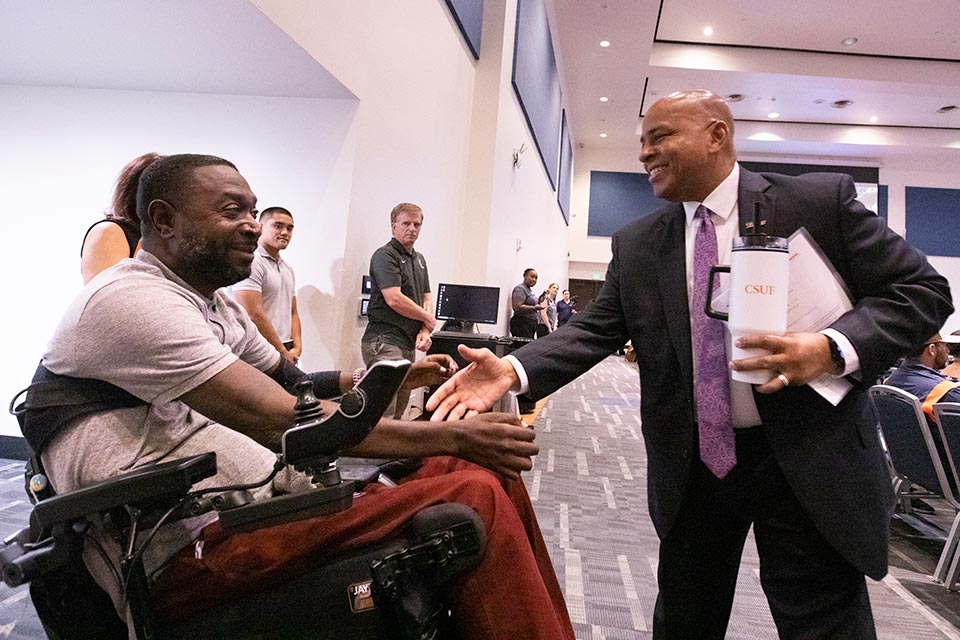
[(307, 407), (309, 414), (312, 445)]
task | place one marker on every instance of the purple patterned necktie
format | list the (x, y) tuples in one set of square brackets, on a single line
[(712, 386)]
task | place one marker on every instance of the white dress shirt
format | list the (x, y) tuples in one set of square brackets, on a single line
[(723, 202)]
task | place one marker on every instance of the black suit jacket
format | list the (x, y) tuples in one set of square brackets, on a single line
[(830, 455)]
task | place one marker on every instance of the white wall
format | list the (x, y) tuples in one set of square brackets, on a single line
[(428, 118), (62, 150), (525, 227), (427, 127)]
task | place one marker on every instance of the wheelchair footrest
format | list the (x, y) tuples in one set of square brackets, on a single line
[(288, 508)]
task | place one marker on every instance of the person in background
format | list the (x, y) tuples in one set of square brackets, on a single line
[(565, 308), (952, 370), (400, 320), (920, 374), (526, 307), (269, 293), (117, 236), (548, 314)]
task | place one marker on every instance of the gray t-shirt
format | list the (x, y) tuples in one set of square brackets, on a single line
[(140, 327), (275, 281), (522, 294)]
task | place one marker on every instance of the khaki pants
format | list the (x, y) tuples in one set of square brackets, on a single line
[(376, 350)]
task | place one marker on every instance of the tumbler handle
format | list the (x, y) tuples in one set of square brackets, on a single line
[(708, 307)]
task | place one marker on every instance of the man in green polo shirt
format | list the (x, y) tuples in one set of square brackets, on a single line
[(400, 319)]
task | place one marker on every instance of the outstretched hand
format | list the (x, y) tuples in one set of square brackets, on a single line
[(497, 441), (475, 388), (431, 370), (799, 357)]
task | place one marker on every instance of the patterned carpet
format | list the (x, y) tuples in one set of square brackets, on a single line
[(589, 490)]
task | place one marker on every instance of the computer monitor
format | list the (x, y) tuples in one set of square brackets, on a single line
[(462, 305)]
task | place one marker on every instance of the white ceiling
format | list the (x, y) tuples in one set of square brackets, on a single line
[(782, 56), (193, 46)]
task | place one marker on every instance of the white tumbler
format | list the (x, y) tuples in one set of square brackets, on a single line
[(759, 282)]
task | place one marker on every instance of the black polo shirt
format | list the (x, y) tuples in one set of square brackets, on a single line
[(393, 266)]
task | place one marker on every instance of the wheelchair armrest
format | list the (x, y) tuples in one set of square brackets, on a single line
[(360, 410), (149, 484)]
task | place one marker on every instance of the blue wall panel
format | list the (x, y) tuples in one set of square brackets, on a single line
[(617, 199), (468, 15), (566, 169), (933, 216), (536, 82)]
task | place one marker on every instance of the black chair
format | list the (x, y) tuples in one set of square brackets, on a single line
[(947, 416), (918, 457), (390, 591)]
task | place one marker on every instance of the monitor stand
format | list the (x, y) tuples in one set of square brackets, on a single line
[(458, 326)]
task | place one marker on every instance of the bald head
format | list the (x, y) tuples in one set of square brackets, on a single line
[(687, 145), (707, 103)]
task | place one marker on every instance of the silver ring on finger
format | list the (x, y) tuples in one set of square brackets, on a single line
[(783, 379)]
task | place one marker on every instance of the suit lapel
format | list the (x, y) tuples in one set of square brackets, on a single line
[(751, 191), (671, 277)]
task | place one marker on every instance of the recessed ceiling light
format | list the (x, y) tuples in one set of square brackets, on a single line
[(604, 43), (819, 101), (734, 97), (708, 31), (948, 108), (765, 136), (849, 41), (773, 114), (604, 99), (841, 104), (603, 135), (874, 118)]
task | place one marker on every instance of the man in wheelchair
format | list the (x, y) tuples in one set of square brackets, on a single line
[(192, 374)]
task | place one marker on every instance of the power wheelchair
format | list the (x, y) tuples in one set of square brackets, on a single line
[(390, 591)]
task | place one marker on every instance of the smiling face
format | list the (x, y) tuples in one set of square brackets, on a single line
[(686, 145), (214, 231)]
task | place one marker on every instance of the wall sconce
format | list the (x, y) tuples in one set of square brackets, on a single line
[(516, 156)]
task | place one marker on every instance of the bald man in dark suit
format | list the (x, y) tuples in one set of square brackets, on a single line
[(807, 475)]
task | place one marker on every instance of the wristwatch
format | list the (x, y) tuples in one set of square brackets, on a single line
[(836, 354)]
